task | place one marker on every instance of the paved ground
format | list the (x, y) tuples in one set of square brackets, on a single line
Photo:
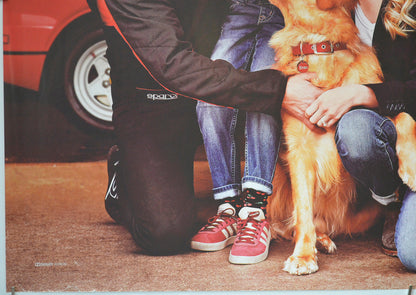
[(59, 238)]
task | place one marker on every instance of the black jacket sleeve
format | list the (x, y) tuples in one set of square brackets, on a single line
[(398, 61), (395, 97), (154, 34)]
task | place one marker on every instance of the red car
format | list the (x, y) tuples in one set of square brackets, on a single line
[(54, 45)]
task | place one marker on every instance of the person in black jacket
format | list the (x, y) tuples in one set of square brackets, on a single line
[(156, 78), (365, 136)]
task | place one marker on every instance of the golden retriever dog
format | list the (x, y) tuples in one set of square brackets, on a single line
[(314, 197)]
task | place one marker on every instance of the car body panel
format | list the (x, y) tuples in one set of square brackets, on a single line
[(29, 29), (24, 70)]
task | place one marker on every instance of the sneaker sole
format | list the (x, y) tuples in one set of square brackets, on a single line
[(212, 246), (248, 259), (389, 252)]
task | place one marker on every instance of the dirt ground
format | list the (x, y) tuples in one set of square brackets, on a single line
[(59, 238)]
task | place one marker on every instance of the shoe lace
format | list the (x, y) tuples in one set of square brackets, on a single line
[(217, 221), (249, 229)]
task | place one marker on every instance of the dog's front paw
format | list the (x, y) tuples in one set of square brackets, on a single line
[(301, 265), (405, 147), (408, 174), (325, 244)]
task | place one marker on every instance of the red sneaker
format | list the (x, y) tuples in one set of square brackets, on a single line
[(253, 237), (220, 231)]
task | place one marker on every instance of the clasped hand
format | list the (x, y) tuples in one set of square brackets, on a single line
[(318, 108)]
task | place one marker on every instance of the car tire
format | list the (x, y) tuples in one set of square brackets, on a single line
[(87, 82)]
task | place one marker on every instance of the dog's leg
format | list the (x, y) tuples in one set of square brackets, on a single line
[(405, 147), (303, 177), (324, 243), (303, 259), (280, 206)]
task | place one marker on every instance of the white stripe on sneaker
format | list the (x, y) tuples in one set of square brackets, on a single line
[(265, 236), (235, 228), (226, 232)]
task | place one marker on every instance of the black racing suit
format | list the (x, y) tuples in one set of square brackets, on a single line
[(156, 77)]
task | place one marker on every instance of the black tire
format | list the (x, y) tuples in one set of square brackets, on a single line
[(87, 83)]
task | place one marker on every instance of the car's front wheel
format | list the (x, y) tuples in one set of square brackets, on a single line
[(87, 80)]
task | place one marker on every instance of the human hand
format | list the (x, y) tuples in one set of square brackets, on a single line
[(331, 105), (300, 93)]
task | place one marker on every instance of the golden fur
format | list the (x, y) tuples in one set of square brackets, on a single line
[(314, 196)]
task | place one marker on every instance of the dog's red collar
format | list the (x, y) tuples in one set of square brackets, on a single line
[(326, 47)]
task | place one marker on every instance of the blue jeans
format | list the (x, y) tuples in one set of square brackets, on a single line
[(405, 236), (366, 143), (244, 43)]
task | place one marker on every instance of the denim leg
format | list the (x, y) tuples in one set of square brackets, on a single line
[(243, 43), (262, 131), (217, 125), (261, 151), (270, 20), (245, 34), (366, 144), (405, 236)]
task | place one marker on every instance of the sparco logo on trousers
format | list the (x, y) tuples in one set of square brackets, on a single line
[(162, 96)]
